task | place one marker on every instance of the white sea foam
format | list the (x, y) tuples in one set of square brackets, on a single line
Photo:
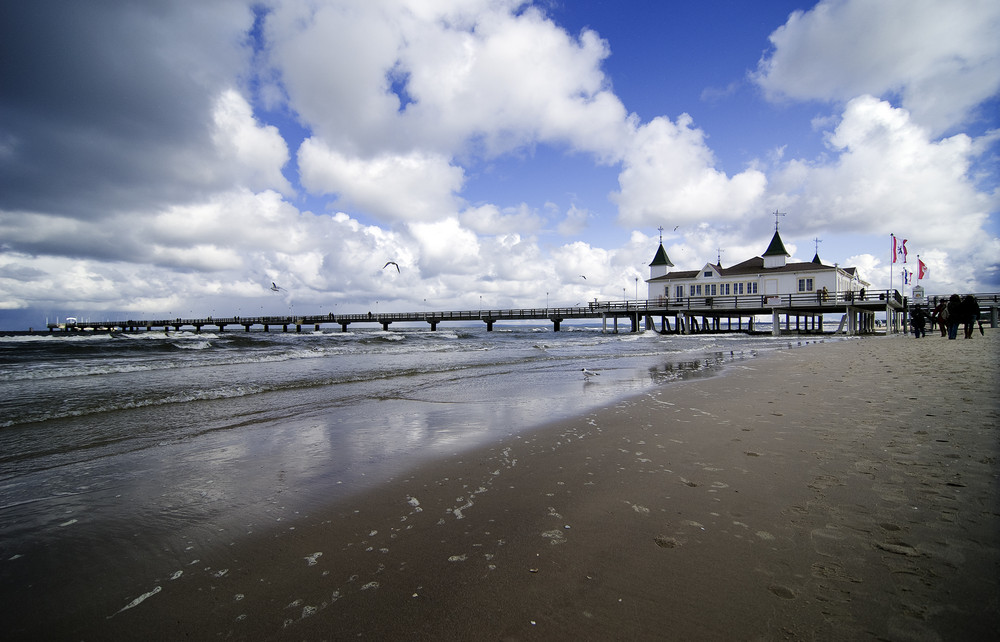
[(137, 601), (194, 345)]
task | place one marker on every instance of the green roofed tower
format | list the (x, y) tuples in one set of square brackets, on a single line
[(776, 254), (660, 263)]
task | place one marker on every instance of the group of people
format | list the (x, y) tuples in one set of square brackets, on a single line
[(948, 316)]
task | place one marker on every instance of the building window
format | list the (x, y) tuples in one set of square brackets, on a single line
[(751, 287), (737, 288), (723, 289), (805, 285), (708, 273), (680, 292), (710, 290), (696, 290)]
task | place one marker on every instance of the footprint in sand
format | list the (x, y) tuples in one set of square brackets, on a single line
[(783, 592), (832, 571), (822, 482), (828, 542), (666, 542), (899, 548), (555, 537)]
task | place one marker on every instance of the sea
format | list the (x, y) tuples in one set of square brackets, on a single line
[(121, 449)]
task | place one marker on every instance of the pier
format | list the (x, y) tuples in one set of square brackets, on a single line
[(798, 313)]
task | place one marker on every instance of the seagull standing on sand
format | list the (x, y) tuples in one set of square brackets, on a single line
[(388, 263), (589, 373)]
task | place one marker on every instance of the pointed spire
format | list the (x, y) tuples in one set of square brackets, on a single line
[(661, 258), (776, 248)]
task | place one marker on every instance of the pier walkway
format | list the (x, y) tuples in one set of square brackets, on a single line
[(788, 312)]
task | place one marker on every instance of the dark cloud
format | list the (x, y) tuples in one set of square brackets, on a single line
[(106, 106), (20, 272)]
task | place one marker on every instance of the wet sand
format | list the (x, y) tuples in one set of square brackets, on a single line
[(836, 491)]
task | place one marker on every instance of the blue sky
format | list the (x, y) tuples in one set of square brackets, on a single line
[(174, 160)]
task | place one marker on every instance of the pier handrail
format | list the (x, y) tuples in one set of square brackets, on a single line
[(815, 302)]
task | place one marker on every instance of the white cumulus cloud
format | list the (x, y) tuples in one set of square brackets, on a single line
[(941, 58), (669, 175), (417, 186)]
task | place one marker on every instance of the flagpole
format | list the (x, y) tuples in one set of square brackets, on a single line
[(892, 259)]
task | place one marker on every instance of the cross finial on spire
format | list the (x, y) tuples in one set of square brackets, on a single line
[(719, 259), (661, 233), (817, 241), (776, 215)]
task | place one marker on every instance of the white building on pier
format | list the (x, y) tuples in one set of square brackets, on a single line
[(767, 275)]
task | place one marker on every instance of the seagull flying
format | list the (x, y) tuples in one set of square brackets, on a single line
[(388, 263), (675, 227), (589, 373), (583, 277), (275, 287)]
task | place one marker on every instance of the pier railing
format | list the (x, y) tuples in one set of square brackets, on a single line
[(716, 306)]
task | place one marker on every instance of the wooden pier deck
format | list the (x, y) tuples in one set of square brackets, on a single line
[(800, 313)]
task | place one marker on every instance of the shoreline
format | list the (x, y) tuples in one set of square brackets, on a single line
[(855, 499)]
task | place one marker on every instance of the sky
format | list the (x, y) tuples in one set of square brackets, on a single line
[(174, 159)]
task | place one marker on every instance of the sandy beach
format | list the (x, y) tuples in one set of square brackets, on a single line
[(842, 490)]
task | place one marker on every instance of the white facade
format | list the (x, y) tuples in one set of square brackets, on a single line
[(768, 275)]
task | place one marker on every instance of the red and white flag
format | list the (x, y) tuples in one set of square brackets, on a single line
[(922, 269)]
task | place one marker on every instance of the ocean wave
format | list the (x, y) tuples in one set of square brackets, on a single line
[(194, 345), (155, 397)]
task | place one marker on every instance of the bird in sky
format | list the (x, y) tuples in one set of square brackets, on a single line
[(388, 263), (675, 227), (275, 287), (583, 277), (589, 373)]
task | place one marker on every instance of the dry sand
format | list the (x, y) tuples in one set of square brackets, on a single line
[(836, 491)]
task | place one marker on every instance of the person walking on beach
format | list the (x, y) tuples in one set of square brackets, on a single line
[(970, 314), (919, 321), (954, 315), (939, 316)]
